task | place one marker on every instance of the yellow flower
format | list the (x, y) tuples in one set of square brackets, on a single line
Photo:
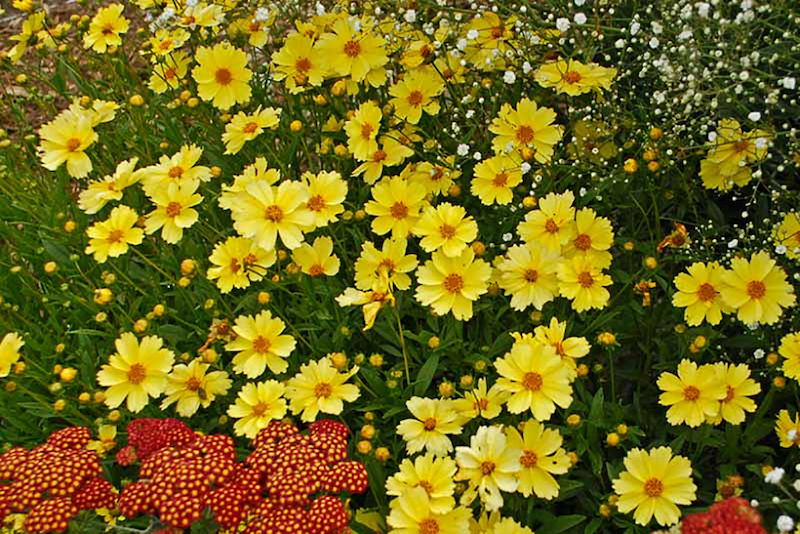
[(237, 262), (436, 178), (417, 92), (553, 224), (435, 419), (202, 15), (699, 291), (391, 262), (31, 26), (537, 379), (297, 64), (319, 387), (434, 475), (788, 234), (581, 281), (371, 302), (136, 371), (527, 126), (790, 350), (692, 395), (260, 344), (112, 236), (173, 211), (164, 42), (326, 193), (757, 289), (100, 192), (396, 206), (734, 148), (494, 180), (257, 405), (105, 29), (411, 513), (180, 168), (787, 429), (712, 176), (317, 259), (353, 52), (529, 274), (168, 72), (494, 524), (9, 352), (257, 171), (653, 483), (392, 153), (573, 77), (106, 440), (452, 284), (479, 402), (222, 75), (738, 388), (592, 237), (568, 348), (540, 456), (362, 131), (490, 465), (244, 127), (64, 140), (447, 228), (192, 386)]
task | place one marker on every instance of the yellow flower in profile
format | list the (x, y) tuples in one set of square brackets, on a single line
[(391, 153), (9, 352), (257, 405), (529, 274), (112, 236), (362, 131), (192, 386), (326, 193), (371, 302), (390, 263), (411, 513), (260, 343), (540, 456), (787, 234), (31, 26), (418, 91), (480, 402), (319, 387), (583, 282), (652, 484), (739, 387), (494, 180), (174, 211), (452, 284), (787, 429), (699, 291), (434, 420), (65, 140), (790, 350), (106, 440), (396, 206), (692, 395), (180, 168), (317, 259), (169, 72), (489, 465), (573, 77), (136, 372), (222, 75), (243, 127), (568, 348), (527, 126), (757, 289), (351, 49), (447, 228), (297, 64), (537, 379), (433, 474), (592, 237), (100, 192), (105, 29), (553, 224), (237, 262)]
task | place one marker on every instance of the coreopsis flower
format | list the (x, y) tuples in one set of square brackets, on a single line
[(31, 27), (362, 131), (489, 465), (573, 77), (222, 75), (237, 262), (320, 387), (436, 178), (396, 206), (592, 237), (434, 420), (537, 379), (452, 284), (447, 228), (790, 350), (258, 171), (787, 429), (653, 483), (583, 282), (526, 127), (787, 234), (112, 236), (326, 193), (433, 474), (757, 289), (568, 348), (390, 262), (245, 127), (9, 352), (733, 148), (100, 192), (411, 513), (260, 343), (65, 140), (106, 440), (106, 28), (494, 180), (169, 72), (174, 211), (540, 456), (593, 141), (297, 64), (180, 168), (371, 301), (480, 402), (257, 405), (165, 41), (493, 523), (201, 15), (192, 386), (530, 275), (693, 395), (391, 153), (351, 49), (699, 291), (553, 224), (418, 91), (712, 176), (136, 371), (739, 387), (317, 259)]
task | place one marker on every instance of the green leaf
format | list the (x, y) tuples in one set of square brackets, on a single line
[(568, 488), (425, 375), (561, 524), (593, 526)]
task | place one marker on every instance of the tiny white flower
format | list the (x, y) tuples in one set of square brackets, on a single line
[(526, 67), (410, 16), (507, 237), (796, 484), (472, 34), (477, 156), (754, 116), (509, 77), (780, 249), (320, 9), (462, 150), (774, 476), (653, 42), (785, 523), (733, 243), (758, 354), (562, 24), (789, 83), (635, 27), (579, 18), (761, 143), (754, 503), (525, 167)]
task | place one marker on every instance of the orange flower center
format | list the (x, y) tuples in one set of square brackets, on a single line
[(260, 408), (250, 127), (756, 289), (426, 50), (399, 210), (706, 292), (530, 275), (366, 130), (352, 48), (525, 134), (165, 44), (223, 76), (303, 65), (170, 73), (483, 404), (428, 526), (175, 172), (316, 270), (571, 76), (551, 226), (447, 231), (427, 486), (560, 349), (691, 393), (235, 265), (273, 213), (415, 98), (453, 283), (173, 209), (261, 344), (429, 424), (583, 242), (193, 384), (387, 264), (529, 459), (137, 373), (487, 467), (730, 394), (73, 144), (500, 180), (108, 29), (532, 381), (254, 27), (316, 203), (378, 156), (653, 487), (741, 146), (585, 279), (115, 236), (323, 390)]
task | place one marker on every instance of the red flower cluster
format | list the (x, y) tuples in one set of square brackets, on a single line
[(731, 516), (54, 481), (146, 436)]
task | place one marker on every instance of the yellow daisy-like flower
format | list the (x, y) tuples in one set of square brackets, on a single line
[(180, 168), (65, 140), (317, 259), (568, 348), (699, 291), (260, 343), (494, 180), (447, 228), (173, 211), (790, 350), (788, 429), (411, 513), (529, 274), (788, 234), (540, 456), (362, 131), (391, 153), (434, 475), (326, 193), (436, 178), (435, 419), (390, 263), (757, 289), (526, 127), (553, 224), (489, 465), (739, 387), (573, 77), (106, 440), (733, 148), (353, 52), (537, 379), (257, 405), (452, 284), (495, 524), (417, 92), (581, 281), (711, 174), (222, 75), (169, 72), (592, 237), (106, 28), (9, 352), (297, 64), (192, 386), (244, 127), (112, 236), (164, 42), (396, 206), (319, 387), (100, 192), (136, 372), (371, 302), (480, 402), (652, 484), (693, 395), (238, 262), (257, 171)]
